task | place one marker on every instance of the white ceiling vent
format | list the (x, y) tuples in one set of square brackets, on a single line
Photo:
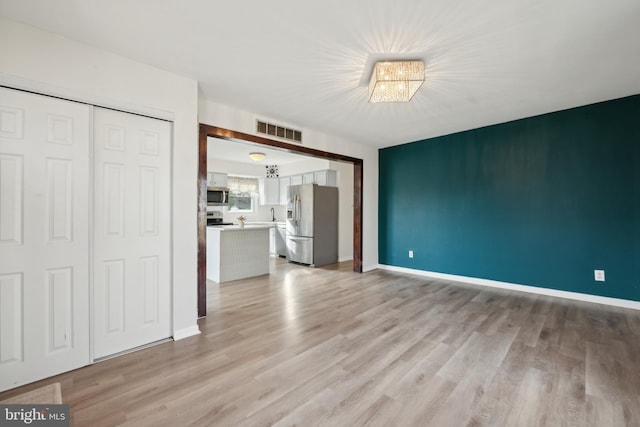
[(278, 131)]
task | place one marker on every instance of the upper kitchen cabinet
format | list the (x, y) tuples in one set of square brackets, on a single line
[(308, 178), (327, 177), (285, 181), (269, 191), (215, 179), (274, 191)]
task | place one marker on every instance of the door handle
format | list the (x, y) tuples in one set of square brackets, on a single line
[(298, 208)]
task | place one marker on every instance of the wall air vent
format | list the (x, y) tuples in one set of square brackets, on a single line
[(278, 131)]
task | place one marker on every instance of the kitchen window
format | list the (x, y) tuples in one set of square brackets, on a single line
[(243, 192)]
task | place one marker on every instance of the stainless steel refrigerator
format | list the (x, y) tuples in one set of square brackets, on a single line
[(312, 224)]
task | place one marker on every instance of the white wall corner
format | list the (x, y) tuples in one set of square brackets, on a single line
[(367, 268), (615, 302), (180, 334)]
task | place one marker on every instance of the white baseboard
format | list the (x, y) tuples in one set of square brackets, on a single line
[(366, 268), (180, 334), (616, 302), (345, 258)]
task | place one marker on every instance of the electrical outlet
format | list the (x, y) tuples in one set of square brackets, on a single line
[(598, 275), (410, 254)]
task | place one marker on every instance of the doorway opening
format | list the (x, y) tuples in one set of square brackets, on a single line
[(207, 131)]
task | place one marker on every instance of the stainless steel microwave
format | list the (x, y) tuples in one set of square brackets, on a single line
[(217, 196)]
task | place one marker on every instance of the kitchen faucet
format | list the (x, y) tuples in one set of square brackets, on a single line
[(273, 215)]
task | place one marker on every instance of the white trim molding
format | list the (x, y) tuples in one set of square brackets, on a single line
[(616, 302), (20, 83), (181, 334)]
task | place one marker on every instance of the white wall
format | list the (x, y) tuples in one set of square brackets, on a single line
[(345, 221), (43, 62), (308, 164), (243, 121), (235, 168)]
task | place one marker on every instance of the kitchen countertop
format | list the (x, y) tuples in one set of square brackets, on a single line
[(238, 228), (269, 223)]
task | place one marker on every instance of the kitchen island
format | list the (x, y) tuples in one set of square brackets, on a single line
[(235, 252)]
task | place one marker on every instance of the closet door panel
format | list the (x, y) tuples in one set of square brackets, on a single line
[(44, 236), (132, 231)]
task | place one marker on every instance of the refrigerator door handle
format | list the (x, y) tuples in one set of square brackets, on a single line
[(297, 208)]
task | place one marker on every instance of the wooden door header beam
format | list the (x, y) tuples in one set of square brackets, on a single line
[(207, 131), (232, 135)]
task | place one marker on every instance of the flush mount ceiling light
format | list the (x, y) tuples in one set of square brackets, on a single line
[(395, 81), (256, 157)]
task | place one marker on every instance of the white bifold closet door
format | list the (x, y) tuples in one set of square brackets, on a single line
[(44, 236), (132, 231)]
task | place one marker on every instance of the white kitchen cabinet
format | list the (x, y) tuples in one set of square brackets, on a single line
[(215, 179), (269, 191), (277, 240), (281, 239), (308, 178), (328, 177), (285, 181), (296, 179)]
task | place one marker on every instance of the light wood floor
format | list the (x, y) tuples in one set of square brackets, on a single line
[(330, 347)]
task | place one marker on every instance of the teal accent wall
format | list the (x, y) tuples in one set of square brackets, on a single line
[(541, 201)]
